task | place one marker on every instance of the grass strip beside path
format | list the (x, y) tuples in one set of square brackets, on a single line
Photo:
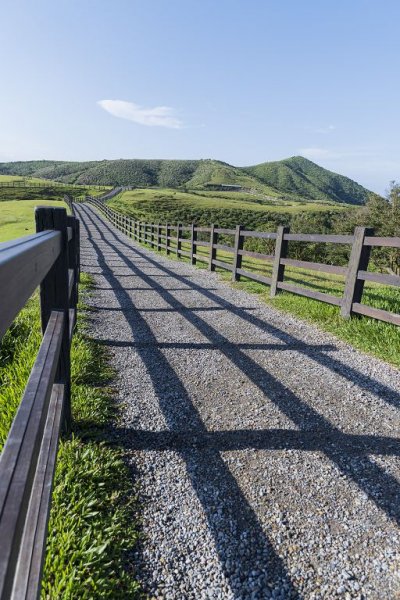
[(93, 521)]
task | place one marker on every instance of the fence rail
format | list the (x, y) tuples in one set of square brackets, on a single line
[(50, 183), (49, 258), (159, 237)]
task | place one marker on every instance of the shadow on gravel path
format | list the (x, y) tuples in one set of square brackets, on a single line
[(366, 382), (236, 531), (201, 449)]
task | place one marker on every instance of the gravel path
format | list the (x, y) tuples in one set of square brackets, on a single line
[(267, 451)]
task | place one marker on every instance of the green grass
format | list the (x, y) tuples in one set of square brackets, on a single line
[(93, 520), (369, 335), (17, 217), (173, 206)]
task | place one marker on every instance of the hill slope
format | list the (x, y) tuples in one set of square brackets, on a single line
[(292, 178), (305, 178)]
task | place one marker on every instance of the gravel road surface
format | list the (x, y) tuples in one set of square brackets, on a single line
[(267, 452)]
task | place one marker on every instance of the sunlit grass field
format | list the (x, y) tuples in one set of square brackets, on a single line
[(208, 199), (204, 207), (17, 217)]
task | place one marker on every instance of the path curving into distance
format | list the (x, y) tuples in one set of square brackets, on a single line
[(267, 452)]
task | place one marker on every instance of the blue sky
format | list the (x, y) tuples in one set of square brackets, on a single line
[(240, 81)]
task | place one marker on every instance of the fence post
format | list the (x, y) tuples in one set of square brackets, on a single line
[(178, 237), (359, 259), (167, 242), (54, 295), (237, 258), (213, 250), (193, 247), (158, 237), (152, 236), (73, 260), (278, 270)]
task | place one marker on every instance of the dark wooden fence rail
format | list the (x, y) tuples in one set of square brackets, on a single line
[(50, 258), (49, 183), (355, 273)]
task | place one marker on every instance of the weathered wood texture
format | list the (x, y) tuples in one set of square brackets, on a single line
[(278, 269), (49, 258), (359, 259), (237, 258)]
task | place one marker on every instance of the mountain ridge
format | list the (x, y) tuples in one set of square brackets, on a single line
[(294, 178)]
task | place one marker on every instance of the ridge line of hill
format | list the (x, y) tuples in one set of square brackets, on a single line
[(294, 178)]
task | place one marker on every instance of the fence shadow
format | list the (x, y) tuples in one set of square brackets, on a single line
[(364, 381), (237, 529), (204, 462)]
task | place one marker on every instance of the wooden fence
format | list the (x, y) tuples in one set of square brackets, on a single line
[(45, 184), (356, 273), (49, 258)]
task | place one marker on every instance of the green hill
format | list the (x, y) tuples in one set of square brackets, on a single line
[(294, 178), (303, 177)]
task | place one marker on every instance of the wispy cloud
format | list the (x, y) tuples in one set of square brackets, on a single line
[(159, 116), (327, 129)]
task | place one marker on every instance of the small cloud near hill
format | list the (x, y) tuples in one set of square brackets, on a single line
[(159, 116)]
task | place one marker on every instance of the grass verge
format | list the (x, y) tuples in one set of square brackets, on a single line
[(93, 520)]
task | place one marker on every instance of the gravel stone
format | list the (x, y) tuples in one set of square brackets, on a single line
[(266, 451)]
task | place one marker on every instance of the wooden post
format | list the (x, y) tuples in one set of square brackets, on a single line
[(213, 250), (193, 247), (237, 258), (359, 259), (178, 238), (158, 237), (168, 231), (278, 270), (54, 295), (152, 235), (73, 259)]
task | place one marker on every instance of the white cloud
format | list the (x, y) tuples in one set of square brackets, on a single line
[(159, 116)]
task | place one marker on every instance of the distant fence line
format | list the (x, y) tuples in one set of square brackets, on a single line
[(50, 258), (50, 183), (159, 236)]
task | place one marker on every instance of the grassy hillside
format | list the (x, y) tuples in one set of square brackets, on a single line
[(303, 177), (289, 179), (226, 209)]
